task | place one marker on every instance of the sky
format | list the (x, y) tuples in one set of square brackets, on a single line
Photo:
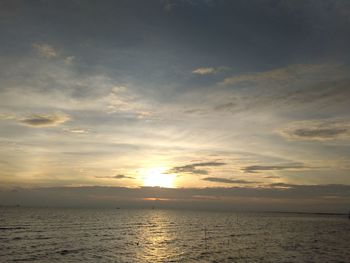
[(240, 104)]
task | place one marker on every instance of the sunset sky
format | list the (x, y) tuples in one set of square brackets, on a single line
[(216, 99)]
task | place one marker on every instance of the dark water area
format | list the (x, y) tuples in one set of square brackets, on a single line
[(127, 235)]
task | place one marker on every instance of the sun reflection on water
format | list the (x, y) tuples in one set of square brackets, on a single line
[(158, 237)]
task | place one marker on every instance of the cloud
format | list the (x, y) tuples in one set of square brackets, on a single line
[(330, 91), (77, 130), (321, 87), (192, 168), (208, 70), (7, 116), (283, 185), (45, 50), (317, 130), (204, 71), (118, 176), (121, 100), (44, 120), (258, 168), (226, 180), (275, 196), (69, 60), (121, 176), (289, 73), (168, 5), (272, 177), (325, 133)]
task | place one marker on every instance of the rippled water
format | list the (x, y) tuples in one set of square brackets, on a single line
[(107, 235)]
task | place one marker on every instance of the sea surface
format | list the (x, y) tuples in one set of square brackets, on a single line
[(131, 235)]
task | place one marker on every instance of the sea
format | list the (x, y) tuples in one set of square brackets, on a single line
[(155, 235)]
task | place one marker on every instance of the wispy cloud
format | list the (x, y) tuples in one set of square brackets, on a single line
[(259, 168), (289, 73), (208, 70), (118, 176), (296, 87), (226, 180), (7, 116), (168, 5), (317, 130), (192, 168), (121, 100), (272, 177), (44, 120), (45, 50), (69, 60), (77, 130), (204, 71)]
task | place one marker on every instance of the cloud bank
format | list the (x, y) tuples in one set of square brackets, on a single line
[(281, 197)]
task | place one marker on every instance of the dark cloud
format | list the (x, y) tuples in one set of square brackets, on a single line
[(44, 120), (226, 180), (121, 176), (317, 130), (276, 196), (118, 176), (258, 168), (282, 185), (192, 168), (271, 177), (319, 133)]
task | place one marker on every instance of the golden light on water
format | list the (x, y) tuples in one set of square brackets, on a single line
[(157, 177)]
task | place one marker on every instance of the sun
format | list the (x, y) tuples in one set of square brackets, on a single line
[(157, 177)]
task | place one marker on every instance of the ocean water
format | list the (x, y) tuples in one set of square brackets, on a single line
[(131, 235)]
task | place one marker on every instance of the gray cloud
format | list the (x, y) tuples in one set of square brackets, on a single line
[(289, 73), (336, 89), (276, 196), (226, 106), (311, 86), (272, 177), (258, 168), (317, 130), (226, 180), (319, 133), (192, 168), (118, 176), (44, 120)]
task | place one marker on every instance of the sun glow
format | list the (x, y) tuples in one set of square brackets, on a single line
[(157, 177)]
